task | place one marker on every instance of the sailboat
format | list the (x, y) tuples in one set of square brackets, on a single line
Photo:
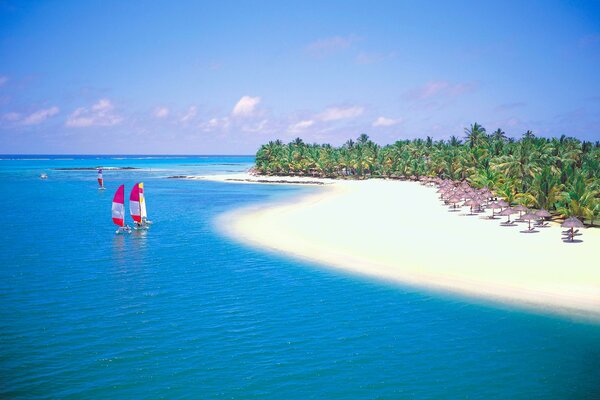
[(137, 206), (100, 179), (118, 210)]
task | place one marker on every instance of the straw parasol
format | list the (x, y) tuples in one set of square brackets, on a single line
[(507, 212), (454, 200), (528, 217), (502, 203), (572, 223), (494, 206), (521, 209), (472, 203), (541, 215)]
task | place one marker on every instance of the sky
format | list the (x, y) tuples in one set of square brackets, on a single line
[(223, 77)]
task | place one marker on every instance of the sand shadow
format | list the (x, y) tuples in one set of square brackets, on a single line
[(572, 241), (529, 231)]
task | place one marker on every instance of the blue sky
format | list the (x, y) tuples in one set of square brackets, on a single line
[(223, 77)]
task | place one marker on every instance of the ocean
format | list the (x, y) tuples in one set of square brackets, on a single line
[(183, 311)]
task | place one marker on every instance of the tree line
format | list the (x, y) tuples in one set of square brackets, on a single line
[(561, 175)]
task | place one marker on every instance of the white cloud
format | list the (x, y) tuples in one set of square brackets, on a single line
[(301, 125), (11, 116), (100, 114), (383, 121), (246, 106), (336, 113), (255, 128), (214, 124), (161, 112), (3, 80), (40, 116), (189, 115)]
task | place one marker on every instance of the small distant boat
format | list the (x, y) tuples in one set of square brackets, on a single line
[(43, 176), (100, 179), (137, 207), (118, 210)]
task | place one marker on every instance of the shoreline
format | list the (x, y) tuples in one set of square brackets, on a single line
[(399, 231)]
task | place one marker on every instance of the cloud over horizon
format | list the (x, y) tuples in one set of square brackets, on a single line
[(337, 113), (246, 106), (383, 121), (161, 112), (100, 114), (40, 116)]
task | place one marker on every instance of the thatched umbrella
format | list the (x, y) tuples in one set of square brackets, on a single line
[(494, 206), (502, 203), (442, 191), (454, 200), (542, 214), (572, 223), (507, 212), (528, 217), (521, 209), (472, 203)]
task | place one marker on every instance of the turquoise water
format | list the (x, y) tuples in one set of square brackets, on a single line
[(181, 311)]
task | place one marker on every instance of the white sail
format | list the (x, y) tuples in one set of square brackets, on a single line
[(143, 213)]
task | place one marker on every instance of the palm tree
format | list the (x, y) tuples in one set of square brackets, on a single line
[(363, 138), (559, 174), (499, 135), (454, 141), (475, 135)]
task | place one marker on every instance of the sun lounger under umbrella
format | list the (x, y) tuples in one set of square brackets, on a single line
[(472, 203), (454, 200), (529, 217), (542, 214), (521, 209), (507, 212), (572, 223), (494, 206)]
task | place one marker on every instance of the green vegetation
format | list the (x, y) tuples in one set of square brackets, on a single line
[(561, 175)]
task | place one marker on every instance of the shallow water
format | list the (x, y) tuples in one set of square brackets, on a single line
[(182, 311)]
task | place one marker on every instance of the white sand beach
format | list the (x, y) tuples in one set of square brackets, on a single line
[(400, 231)]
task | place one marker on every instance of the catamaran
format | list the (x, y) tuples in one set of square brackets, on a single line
[(137, 207), (118, 210), (100, 179)]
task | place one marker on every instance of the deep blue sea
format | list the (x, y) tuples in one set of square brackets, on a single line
[(182, 311)]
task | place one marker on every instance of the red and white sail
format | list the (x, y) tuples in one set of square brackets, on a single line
[(118, 206), (100, 178), (134, 203)]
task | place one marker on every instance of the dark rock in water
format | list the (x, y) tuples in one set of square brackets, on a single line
[(179, 177), (277, 181), (93, 168)]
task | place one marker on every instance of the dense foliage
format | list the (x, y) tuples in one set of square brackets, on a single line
[(558, 174)]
